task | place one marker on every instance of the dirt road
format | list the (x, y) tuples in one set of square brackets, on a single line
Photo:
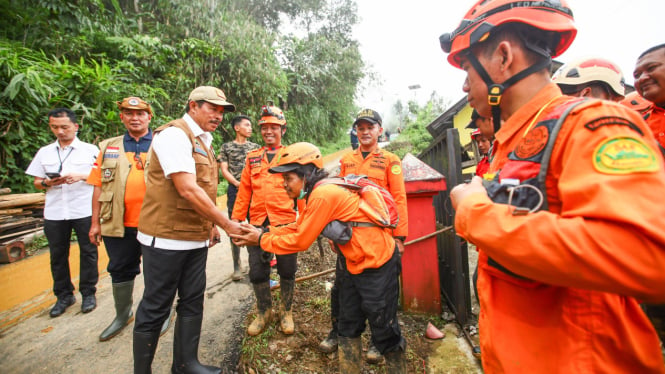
[(70, 344)]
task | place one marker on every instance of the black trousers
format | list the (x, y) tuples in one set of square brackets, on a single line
[(59, 234), (372, 296), (166, 272), (124, 256), (259, 265), (231, 193)]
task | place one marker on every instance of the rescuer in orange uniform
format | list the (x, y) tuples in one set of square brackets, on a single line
[(649, 77), (368, 282), (385, 169), (263, 194), (568, 252)]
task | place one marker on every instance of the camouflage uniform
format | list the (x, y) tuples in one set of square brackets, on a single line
[(234, 154)]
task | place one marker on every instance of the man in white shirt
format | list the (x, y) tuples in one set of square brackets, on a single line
[(61, 169), (176, 227)]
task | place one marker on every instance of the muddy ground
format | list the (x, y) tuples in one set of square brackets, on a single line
[(69, 343), (274, 352)]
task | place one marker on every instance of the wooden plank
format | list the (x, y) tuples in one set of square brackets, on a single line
[(18, 223), (24, 200), (10, 212), (4, 238)]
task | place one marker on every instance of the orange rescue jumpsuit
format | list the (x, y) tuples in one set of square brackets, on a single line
[(656, 121), (600, 246), (262, 193), (369, 247), (384, 169)]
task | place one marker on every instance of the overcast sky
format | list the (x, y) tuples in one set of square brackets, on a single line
[(400, 41)]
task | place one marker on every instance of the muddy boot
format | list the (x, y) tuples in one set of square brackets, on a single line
[(145, 344), (186, 347), (373, 354), (349, 355), (167, 323), (122, 296), (285, 315), (395, 362), (263, 309), (235, 251), (329, 344)]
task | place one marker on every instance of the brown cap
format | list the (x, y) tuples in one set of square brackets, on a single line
[(134, 102), (213, 95)]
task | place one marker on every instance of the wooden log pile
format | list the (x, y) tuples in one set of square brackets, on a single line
[(21, 217)]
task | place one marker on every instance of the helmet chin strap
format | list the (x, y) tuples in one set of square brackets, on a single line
[(495, 90)]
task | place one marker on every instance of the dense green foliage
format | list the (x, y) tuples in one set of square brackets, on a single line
[(414, 137), (88, 54)]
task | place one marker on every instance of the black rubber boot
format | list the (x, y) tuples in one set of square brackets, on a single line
[(122, 296), (235, 251), (286, 316), (350, 359), (263, 308), (186, 347), (145, 345), (395, 362)]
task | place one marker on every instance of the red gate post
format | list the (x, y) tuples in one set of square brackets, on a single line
[(421, 290)]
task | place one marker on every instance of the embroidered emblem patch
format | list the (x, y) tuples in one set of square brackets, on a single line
[(396, 169), (532, 143), (622, 155), (607, 121), (107, 173)]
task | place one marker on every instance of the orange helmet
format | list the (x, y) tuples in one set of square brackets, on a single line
[(636, 102), (485, 15), (296, 155), (589, 70), (272, 114)]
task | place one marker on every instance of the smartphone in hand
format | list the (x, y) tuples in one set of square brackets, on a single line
[(53, 175)]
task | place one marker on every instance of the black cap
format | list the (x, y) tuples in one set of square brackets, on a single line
[(284, 168), (369, 115), (474, 117)]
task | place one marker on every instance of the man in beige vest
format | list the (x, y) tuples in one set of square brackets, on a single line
[(176, 227), (116, 202)]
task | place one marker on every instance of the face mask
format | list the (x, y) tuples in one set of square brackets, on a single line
[(302, 194)]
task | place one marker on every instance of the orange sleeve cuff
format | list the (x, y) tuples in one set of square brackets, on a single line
[(466, 213)]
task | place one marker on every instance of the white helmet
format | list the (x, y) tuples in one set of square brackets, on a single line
[(589, 70)]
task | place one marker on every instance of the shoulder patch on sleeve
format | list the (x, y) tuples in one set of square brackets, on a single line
[(396, 169), (624, 155), (606, 121)]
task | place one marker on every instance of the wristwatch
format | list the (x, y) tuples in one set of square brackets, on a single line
[(44, 183)]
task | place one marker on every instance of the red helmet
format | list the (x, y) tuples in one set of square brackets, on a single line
[(475, 133), (485, 15)]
